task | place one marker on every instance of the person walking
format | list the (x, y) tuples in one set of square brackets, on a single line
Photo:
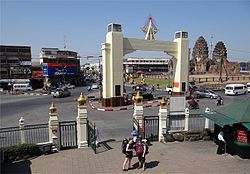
[(141, 151), (221, 142), (129, 155)]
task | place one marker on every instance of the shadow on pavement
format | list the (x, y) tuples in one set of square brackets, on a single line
[(21, 167), (152, 164), (103, 146)]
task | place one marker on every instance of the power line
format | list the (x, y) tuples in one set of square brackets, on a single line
[(242, 51)]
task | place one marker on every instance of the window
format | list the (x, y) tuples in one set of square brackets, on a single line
[(184, 34), (117, 90)]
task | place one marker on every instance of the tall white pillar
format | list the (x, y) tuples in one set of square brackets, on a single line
[(207, 120), (53, 128), (180, 63), (21, 129), (186, 119), (163, 113), (138, 111), (82, 123)]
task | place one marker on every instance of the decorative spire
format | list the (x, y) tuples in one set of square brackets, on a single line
[(149, 29), (164, 102), (81, 100), (138, 98), (52, 109)]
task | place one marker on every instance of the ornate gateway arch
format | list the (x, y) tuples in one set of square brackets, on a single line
[(116, 46)]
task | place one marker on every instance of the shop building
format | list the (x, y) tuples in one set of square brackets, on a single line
[(15, 62), (60, 66), (146, 65)]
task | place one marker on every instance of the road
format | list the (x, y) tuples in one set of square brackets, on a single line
[(117, 124)]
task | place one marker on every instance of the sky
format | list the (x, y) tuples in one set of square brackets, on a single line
[(82, 25)]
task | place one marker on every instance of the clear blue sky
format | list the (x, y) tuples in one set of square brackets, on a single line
[(44, 23)]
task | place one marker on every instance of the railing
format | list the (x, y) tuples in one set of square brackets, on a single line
[(36, 133), (9, 136), (196, 122), (176, 122)]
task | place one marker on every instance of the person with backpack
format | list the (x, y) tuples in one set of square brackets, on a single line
[(141, 151), (127, 149)]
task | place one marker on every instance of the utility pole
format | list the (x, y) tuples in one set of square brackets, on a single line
[(211, 46)]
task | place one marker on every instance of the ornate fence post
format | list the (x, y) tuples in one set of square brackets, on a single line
[(138, 113), (82, 123), (207, 120), (186, 126), (21, 128), (53, 128), (163, 113)]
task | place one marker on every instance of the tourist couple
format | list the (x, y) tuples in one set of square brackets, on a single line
[(132, 148)]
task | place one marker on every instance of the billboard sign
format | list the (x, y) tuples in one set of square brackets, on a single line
[(55, 69)]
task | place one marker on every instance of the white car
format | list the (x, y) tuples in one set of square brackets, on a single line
[(169, 90), (95, 86), (248, 87), (69, 86)]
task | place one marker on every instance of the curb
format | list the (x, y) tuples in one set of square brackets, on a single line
[(145, 105), (34, 94)]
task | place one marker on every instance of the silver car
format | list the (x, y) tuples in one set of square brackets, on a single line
[(61, 92), (205, 93)]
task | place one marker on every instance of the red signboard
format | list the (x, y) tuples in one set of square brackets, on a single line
[(242, 136), (37, 74)]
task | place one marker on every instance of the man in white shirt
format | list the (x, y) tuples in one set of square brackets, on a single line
[(221, 143)]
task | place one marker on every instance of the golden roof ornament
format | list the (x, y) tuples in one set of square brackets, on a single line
[(52, 108), (164, 102), (81, 100), (138, 98)]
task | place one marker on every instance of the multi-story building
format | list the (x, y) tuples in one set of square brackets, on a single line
[(146, 65), (15, 62), (59, 65)]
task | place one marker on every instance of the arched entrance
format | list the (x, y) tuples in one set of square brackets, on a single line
[(116, 46)]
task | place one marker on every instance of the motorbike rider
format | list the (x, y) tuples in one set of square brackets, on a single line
[(193, 103), (219, 100)]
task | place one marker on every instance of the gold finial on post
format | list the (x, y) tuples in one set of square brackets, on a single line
[(52, 109), (81, 100), (138, 98), (164, 102)]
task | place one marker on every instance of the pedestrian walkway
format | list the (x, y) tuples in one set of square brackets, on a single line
[(175, 157)]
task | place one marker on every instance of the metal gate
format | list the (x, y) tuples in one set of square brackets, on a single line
[(151, 128), (92, 135), (68, 134)]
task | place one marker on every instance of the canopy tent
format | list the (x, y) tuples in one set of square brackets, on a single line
[(235, 113)]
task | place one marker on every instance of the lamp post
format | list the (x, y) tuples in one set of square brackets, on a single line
[(100, 78)]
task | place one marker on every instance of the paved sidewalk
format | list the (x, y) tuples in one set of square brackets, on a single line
[(176, 157)]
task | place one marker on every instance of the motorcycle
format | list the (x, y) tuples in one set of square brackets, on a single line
[(219, 102), (193, 104)]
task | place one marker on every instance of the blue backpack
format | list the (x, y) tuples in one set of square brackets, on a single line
[(124, 145)]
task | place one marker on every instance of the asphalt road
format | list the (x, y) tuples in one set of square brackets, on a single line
[(117, 124)]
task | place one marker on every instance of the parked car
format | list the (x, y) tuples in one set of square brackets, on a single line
[(248, 87), (22, 87), (61, 92), (205, 93), (169, 90), (140, 87), (95, 86)]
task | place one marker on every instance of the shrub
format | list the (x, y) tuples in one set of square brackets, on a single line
[(21, 151)]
